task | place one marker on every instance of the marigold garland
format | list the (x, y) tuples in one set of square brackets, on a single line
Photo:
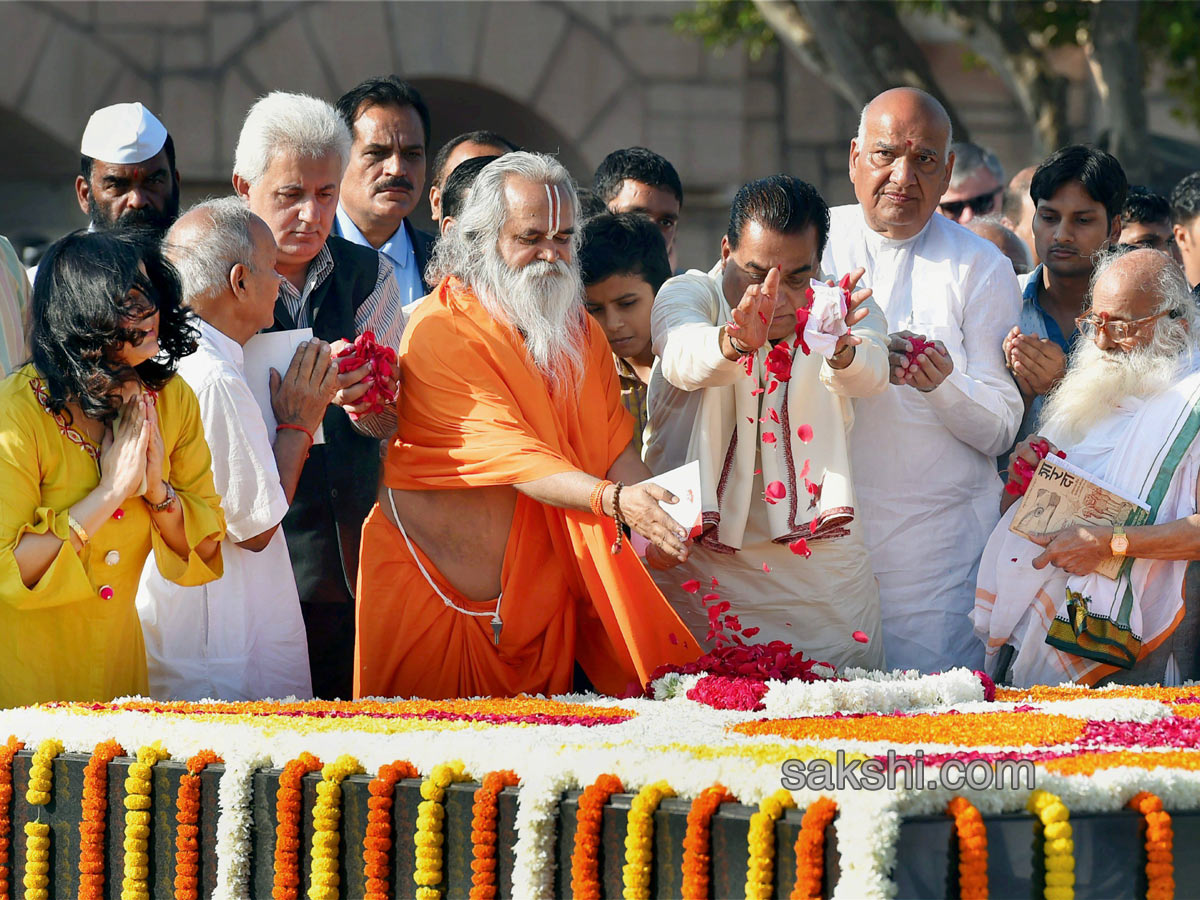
[(137, 822), (377, 842), (187, 835), (428, 838), (286, 878), (485, 812), (94, 822), (760, 845), (810, 849), (37, 833), (697, 842), (960, 729), (589, 819), (972, 849), (7, 751), (327, 817), (1160, 846), (1058, 845), (639, 840)]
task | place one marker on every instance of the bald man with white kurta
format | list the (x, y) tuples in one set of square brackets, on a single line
[(923, 451)]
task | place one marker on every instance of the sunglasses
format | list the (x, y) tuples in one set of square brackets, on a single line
[(981, 205)]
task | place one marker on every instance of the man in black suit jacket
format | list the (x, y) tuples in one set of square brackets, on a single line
[(384, 180)]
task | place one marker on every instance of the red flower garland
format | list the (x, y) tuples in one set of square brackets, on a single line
[(286, 883), (485, 813), (7, 751), (585, 858), (810, 849), (94, 820), (1160, 846), (697, 842), (972, 849), (377, 841), (187, 814)]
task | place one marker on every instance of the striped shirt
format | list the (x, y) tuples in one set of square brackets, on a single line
[(14, 310), (380, 312)]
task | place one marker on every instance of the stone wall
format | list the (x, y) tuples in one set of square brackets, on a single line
[(576, 78)]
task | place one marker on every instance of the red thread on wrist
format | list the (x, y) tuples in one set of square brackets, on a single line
[(301, 428)]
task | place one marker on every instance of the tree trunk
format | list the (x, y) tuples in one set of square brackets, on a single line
[(995, 34), (1116, 63), (859, 49)]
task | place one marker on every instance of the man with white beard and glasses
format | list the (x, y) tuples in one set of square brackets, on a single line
[(494, 559), (1128, 413)]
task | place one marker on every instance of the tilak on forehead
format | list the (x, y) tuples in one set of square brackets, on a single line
[(554, 200)]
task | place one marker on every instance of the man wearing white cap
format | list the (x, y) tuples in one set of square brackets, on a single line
[(127, 170)]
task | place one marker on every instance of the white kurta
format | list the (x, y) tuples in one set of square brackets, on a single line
[(924, 463), (698, 404), (241, 637)]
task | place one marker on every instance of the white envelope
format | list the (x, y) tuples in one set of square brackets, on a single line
[(273, 349), (684, 483)]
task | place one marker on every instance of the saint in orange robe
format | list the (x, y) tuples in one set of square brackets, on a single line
[(474, 411)]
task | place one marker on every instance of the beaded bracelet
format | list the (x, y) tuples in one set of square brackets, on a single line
[(596, 501), (620, 520)]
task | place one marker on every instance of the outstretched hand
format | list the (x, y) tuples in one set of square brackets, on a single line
[(752, 316)]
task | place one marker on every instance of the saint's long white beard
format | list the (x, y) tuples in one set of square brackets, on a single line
[(543, 300), (1095, 384)]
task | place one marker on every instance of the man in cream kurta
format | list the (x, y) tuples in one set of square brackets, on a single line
[(924, 450), (794, 566)]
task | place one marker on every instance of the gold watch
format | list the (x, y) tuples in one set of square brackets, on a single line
[(1119, 545)]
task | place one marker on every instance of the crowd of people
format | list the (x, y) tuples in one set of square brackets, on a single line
[(496, 529)]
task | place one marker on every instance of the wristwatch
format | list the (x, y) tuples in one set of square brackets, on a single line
[(1119, 545)]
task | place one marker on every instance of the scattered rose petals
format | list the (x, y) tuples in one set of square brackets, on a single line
[(777, 490), (382, 360), (804, 469), (709, 598), (860, 636), (771, 387), (814, 525), (800, 548), (750, 419), (766, 568), (692, 586), (756, 392), (769, 437), (779, 361), (774, 416), (715, 583), (805, 433), (750, 632)]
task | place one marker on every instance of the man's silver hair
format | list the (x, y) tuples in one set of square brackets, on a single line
[(969, 158), (547, 312), (289, 123), (861, 136), (1097, 380), (204, 254)]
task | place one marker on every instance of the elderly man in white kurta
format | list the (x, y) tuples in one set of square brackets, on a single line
[(241, 637), (924, 450), (768, 416)]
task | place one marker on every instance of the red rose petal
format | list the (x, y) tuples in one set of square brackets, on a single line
[(777, 490), (805, 433), (715, 583), (769, 437), (804, 469), (750, 632), (860, 636), (692, 586), (814, 525), (756, 392), (762, 318), (800, 548), (771, 388), (732, 326), (674, 640), (709, 598), (766, 568), (773, 415), (750, 419)]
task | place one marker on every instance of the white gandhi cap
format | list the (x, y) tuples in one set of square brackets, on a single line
[(123, 133)]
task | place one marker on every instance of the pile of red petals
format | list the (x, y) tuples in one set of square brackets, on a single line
[(779, 361), (919, 345), (755, 662), (1023, 471), (382, 360), (723, 692)]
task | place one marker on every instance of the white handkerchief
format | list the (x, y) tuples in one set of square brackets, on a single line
[(826, 318)]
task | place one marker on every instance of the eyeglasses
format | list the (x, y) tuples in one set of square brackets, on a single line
[(1119, 331), (981, 205)]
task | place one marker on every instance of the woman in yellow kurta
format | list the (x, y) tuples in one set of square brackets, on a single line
[(102, 461)]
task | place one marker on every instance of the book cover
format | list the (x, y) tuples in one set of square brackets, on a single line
[(1061, 495)]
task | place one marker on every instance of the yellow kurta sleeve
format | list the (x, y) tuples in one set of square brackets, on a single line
[(188, 468), (22, 427)]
